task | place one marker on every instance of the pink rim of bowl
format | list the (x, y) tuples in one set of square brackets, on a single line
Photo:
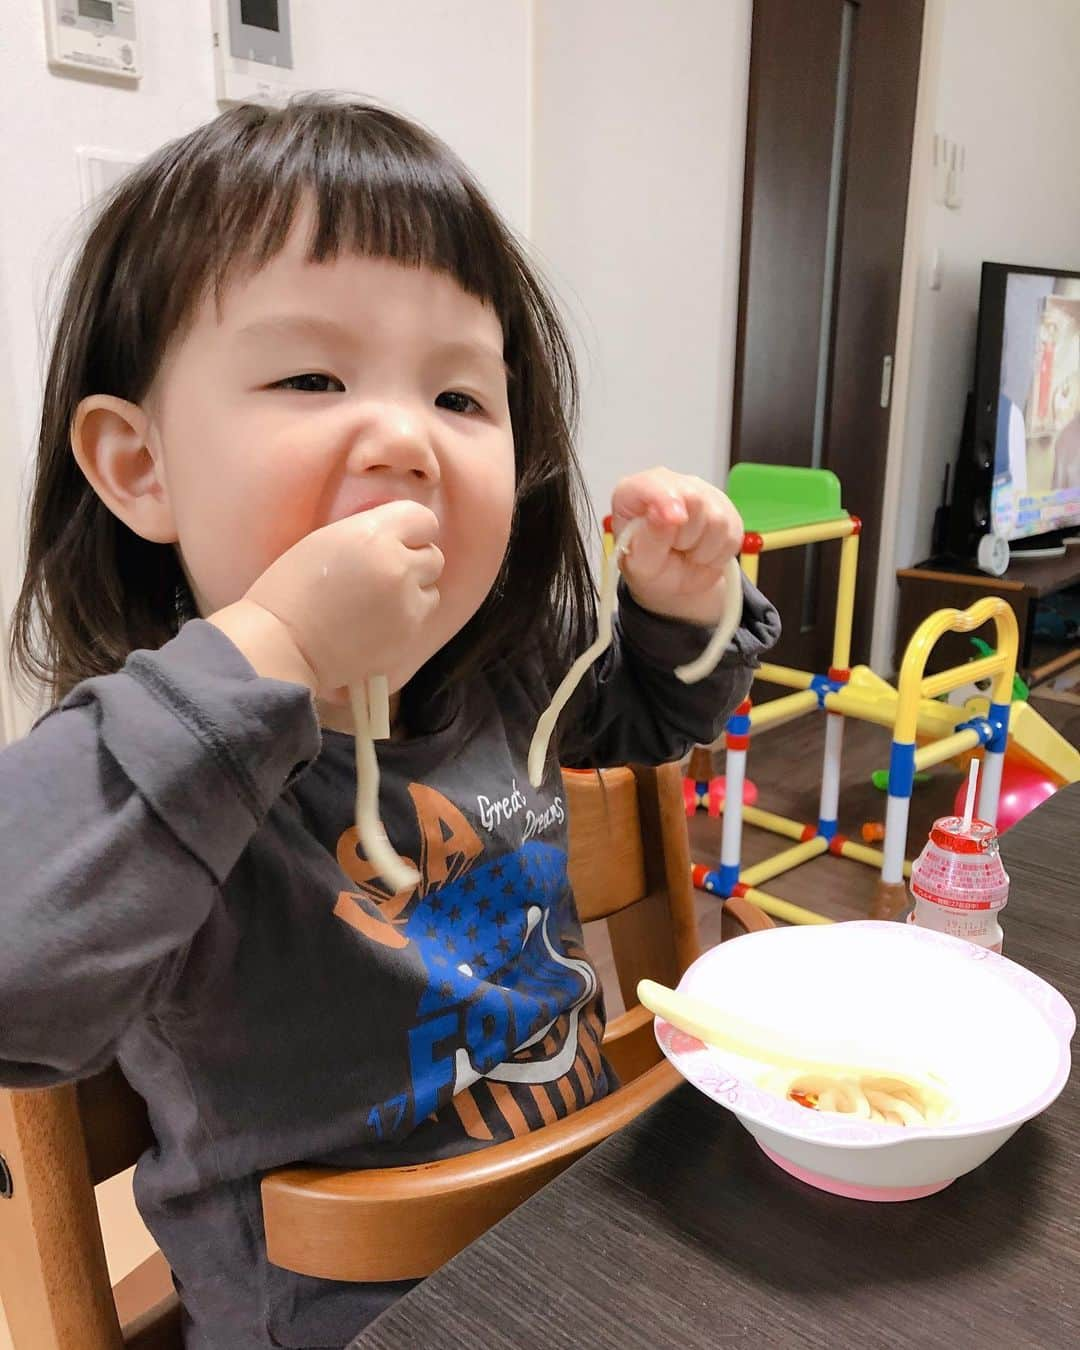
[(851, 1190)]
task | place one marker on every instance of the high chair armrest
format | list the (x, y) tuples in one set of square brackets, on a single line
[(742, 915), (399, 1223)]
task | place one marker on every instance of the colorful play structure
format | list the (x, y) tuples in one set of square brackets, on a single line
[(787, 508)]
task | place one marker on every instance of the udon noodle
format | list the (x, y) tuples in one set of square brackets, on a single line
[(883, 1099), (690, 673)]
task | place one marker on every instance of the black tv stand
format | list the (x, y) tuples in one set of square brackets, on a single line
[(942, 582), (1050, 545)]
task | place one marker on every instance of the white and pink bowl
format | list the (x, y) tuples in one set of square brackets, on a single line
[(997, 1035)]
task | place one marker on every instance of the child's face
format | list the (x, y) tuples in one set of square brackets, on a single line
[(395, 388)]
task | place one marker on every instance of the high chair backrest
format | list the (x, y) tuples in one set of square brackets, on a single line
[(57, 1144), (629, 863)]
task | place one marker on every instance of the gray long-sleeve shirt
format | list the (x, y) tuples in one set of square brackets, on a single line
[(184, 893)]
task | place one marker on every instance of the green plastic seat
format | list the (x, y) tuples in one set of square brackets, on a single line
[(779, 497)]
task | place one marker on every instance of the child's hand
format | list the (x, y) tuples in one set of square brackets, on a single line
[(676, 561), (350, 600)]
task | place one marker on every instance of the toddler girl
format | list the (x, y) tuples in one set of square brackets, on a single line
[(307, 421)]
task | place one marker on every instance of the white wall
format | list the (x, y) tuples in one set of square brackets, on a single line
[(638, 139), (1004, 85), (461, 66)]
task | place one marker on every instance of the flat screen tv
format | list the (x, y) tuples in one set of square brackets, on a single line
[(1018, 475)]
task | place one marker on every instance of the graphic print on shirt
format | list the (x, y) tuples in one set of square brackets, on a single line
[(507, 999)]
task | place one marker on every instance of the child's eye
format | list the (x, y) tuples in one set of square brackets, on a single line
[(454, 402), (311, 383)]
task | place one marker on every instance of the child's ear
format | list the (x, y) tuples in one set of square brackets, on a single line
[(110, 438)]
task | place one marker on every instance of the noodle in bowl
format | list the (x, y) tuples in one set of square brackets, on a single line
[(996, 1035)]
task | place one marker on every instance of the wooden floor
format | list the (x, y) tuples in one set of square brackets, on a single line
[(785, 764)]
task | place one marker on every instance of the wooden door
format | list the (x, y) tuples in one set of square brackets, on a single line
[(830, 122)]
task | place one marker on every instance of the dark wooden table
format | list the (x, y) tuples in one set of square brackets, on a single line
[(679, 1232)]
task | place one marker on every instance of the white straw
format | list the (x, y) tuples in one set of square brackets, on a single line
[(969, 804)]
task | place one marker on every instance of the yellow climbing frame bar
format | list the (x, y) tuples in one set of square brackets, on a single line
[(784, 862), (937, 752), (783, 675), (912, 686), (783, 910), (771, 540), (782, 709), (845, 602), (766, 820)]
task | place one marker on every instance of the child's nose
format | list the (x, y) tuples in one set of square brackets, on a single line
[(395, 442)]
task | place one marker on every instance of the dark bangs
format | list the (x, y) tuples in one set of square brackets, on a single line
[(224, 199), (220, 202)]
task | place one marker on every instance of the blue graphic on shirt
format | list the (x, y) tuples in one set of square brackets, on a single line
[(497, 981)]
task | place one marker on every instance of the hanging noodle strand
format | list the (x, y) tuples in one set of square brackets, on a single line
[(371, 714), (371, 709), (690, 673)]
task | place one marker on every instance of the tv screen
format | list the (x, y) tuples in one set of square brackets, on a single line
[(1036, 432)]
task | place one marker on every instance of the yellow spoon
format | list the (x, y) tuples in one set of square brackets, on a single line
[(843, 1065)]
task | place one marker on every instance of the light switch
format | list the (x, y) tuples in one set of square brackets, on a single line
[(100, 169)]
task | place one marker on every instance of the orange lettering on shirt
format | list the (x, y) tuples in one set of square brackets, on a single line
[(448, 843), (350, 908), (357, 868)]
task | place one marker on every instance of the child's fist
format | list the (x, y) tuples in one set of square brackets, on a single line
[(350, 600), (690, 531)]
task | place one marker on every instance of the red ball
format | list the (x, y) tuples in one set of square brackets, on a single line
[(718, 791), (1022, 789)]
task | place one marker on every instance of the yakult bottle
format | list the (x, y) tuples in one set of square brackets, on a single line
[(958, 882)]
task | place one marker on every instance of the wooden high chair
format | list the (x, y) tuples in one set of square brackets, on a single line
[(629, 864)]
